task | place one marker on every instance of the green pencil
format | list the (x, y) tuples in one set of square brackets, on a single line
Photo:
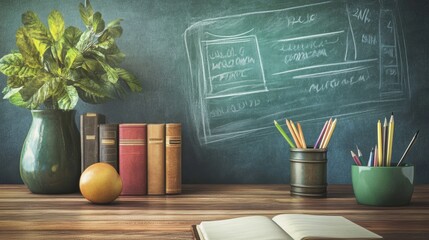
[(284, 134)]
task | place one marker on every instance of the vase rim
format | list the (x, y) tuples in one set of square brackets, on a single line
[(50, 110)]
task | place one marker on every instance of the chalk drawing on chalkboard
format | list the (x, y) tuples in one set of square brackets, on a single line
[(253, 67), (234, 67)]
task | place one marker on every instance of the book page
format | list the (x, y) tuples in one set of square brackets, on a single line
[(303, 226), (244, 228)]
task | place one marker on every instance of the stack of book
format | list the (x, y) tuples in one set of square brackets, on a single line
[(147, 156)]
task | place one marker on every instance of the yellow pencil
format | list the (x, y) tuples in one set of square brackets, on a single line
[(301, 134), (390, 140), (293, 134), (380, 143), (331, 131), (326, 133), (296, 133)]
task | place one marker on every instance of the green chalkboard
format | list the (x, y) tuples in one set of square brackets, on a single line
[(227, 69), (250, 68)]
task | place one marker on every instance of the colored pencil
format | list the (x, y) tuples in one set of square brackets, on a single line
[(385, 131), (331, 131), (293, 134), (328, 127), (282, 132), (390, 140), (380, 144), (359, 154), (376, 156), (295, 130), (371, 158), (301, 135), (319, 139), (413, 140), (356, 159)]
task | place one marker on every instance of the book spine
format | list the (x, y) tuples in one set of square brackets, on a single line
[(133, 158), (173, 158), (89, 138), (156, 159), (109, 144)]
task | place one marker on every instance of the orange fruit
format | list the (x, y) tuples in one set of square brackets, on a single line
[(100, 183)]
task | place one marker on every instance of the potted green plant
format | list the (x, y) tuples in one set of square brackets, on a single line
[(54, 67)]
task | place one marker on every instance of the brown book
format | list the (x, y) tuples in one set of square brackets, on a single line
[(156, 159), (109, 144), (173, 158), (133, 158), (89, 138)]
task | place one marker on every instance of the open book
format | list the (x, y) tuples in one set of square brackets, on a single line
[(284, 226)]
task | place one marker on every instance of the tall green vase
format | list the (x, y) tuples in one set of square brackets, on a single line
[(50, 157)]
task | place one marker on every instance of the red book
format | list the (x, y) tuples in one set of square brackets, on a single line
[(133, 158)]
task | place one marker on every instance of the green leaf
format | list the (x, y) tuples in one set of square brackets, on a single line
[(108, 43), (50, 87), (35, 28), (27, 49), (85, 41), (92, 92), (41, 46), (51, 64), (129, 79), (71, 36), (6, 90), (57, 51), (112, 75), (17, 100), (10, 91), (90, 65), (73, 58), (56, 24), (86, 13), (115, 59), (113, 55), (15, 81), (113, 30), (13, 65), (96, 54), (69, 99), (97, 23)]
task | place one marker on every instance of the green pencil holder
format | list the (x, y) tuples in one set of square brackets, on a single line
[(383, 186)]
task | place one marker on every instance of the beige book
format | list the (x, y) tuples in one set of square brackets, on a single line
[(173, 158), (155, 159), (283, 227)]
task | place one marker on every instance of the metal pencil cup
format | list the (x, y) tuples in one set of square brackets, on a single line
[(308, 172)]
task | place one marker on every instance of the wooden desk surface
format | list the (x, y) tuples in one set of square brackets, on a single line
[(29, 216)]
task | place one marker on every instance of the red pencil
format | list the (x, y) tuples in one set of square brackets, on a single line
[(356, 159)]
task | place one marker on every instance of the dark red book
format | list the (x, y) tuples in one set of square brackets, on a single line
[(133, 158)]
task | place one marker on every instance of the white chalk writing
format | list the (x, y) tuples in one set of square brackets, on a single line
[(305, 55), (235, 107), (362, 15), (369, 39), (335, 83), (292, 20)]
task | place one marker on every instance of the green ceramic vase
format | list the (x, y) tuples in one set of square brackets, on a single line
[(383, 186), (50, 157)]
